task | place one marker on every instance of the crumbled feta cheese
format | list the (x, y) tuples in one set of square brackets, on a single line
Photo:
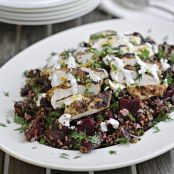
[(103, 126), (54, 80), (73, 82), (65, 120), (94, 78), (40, 96), (71, 62), (53, 62), (113, 122), (164, 64), (126, 73)]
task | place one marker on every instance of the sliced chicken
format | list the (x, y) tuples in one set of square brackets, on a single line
[(88, 105), (84, 59), (60, 93), (145, 92)]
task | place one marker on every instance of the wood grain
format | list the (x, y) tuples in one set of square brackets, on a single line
[(65, 172), (13, 40), (7, 42), (159, 165), (125, 170), (1, 161), (19, 167)]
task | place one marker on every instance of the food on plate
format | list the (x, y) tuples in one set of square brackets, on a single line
[(107, 91)]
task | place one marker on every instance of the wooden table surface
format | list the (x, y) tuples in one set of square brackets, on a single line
[(14, 39)]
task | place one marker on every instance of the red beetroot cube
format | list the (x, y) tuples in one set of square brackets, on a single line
[(132, 105)]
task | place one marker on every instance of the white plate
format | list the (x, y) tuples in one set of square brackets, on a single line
[(48, 15), (44, 9), (52, 21), (116, 9), (33, 3), (11, 78)]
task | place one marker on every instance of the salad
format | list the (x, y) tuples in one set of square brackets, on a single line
[(107, 91)]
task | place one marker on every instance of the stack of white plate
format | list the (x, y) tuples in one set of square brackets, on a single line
[(41, 12)]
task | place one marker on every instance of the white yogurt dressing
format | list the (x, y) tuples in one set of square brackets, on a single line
[(94, 78), (40, 96), (53, 62), (164, 64), (65, 120), (73, 82), (113, 122), (71, 63), (103, 126), (120, 67)]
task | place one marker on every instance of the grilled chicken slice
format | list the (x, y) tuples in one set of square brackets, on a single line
[(59, 93), (111, 38), (84, 59), (88, 105), (59, 76), (145, 92)]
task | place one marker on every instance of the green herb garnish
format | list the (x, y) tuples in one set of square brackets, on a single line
[(122, 140), (64, 154), (3, 125), (161, 53), (172, 58), (6, 93), (95, 140), (64, 157), (22, 122), (76, 157), (112, 152), (50, 118), (165, 117), (156, 129), (145, 53), (42, 140), (113, 67)]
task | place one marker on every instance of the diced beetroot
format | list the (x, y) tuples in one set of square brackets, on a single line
[(168, 93), (35, 131), (132, 105), (86, 146), (87, 125)]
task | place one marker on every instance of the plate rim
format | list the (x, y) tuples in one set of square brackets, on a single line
[(105, 167)]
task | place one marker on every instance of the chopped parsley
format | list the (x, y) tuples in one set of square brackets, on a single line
[(113, 67), (156, 129), (3, 124), (22, 122), (112, 152), (172, 58), (145, 54), (95, 140), (122, 140), (169, 78), (165, 117), (76, 157), (99, 36), (50, 118), (6, 94), (64, 157), (99, 118), (161, 53), (42, 140)]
